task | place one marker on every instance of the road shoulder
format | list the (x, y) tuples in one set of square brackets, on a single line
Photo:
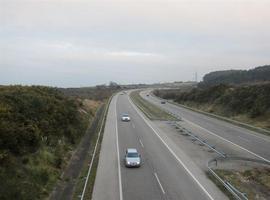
[(106, 182)]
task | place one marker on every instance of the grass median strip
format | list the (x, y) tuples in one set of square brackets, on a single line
[(152, 111)]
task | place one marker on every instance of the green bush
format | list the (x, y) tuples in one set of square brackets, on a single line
[(37, 126), (251, 100)]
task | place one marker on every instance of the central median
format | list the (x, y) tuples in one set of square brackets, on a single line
[(152, 111), (240, 178)]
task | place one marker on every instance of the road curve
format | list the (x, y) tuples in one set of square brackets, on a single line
[(254, 143), (164, 173)]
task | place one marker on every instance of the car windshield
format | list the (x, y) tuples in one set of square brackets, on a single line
[(133, 155), (125, 115)]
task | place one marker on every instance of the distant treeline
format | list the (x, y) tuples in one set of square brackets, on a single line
[(253, 100), (247, 103), (38, 126), (258, 74), (95, 93)]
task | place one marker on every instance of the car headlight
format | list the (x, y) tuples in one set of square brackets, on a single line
[(128, 163), (138, 163)]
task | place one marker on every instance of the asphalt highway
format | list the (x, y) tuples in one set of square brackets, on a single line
[(253, 143), (164, 174)]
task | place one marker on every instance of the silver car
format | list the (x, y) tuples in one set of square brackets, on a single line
[(132, 158), (125, 117)]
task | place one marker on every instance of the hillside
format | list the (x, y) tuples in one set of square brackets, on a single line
[(39, 127), (250, 103), (258, 74)]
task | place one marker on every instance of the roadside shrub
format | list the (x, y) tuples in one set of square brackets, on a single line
[(36, 124)]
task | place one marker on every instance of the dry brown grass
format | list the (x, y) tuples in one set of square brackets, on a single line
[(255, 183), (90, 105)]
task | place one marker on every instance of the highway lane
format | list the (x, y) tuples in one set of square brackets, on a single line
[(136, 183), (250, 141), (161, 176)]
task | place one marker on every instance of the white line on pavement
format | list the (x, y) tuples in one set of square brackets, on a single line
[(159, 183), (172, 152), (184, 119), (94, 154), (227, 140), (205, 114), (133, 125), (118, 155), (141, 143)]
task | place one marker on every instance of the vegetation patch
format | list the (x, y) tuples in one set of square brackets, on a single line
[(219, 185), (39, 129), (82, 178), (97, 93), (255, 182), (235, 77), (152, 111), (249, 104)]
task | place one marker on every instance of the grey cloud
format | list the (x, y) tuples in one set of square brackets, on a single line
[(73, 43)]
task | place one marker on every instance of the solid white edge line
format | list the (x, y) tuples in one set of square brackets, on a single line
[(118, 155), (227, 140), (141, 143), (184, 119), (172, 152), (159, 183), (94, 154), (228, 122)]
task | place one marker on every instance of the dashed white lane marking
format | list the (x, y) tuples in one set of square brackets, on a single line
[(171, 151), (184, 119), (162, 189), (141, 143), (133, 125)]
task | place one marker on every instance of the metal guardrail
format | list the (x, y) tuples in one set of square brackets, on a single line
[(203, 142), (233, 190), (239, 158), (241, 124), (236, 193)]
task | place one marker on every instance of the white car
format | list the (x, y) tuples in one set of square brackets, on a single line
[(125, 118)]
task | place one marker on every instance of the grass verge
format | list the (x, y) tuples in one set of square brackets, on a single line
[(81, 179), (150, 110), (255, 182)]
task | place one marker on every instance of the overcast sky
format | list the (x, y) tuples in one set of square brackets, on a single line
[(71, 43)]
